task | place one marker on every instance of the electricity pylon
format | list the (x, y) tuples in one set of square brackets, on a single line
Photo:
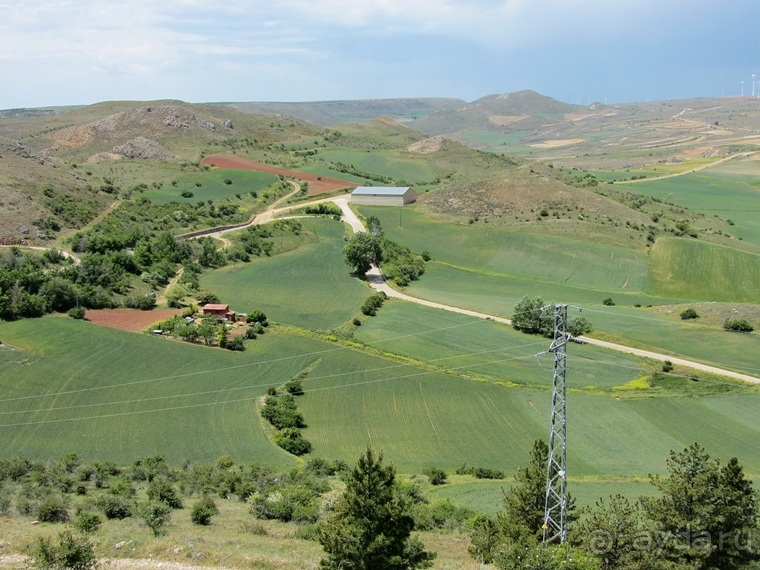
[(555, 511)]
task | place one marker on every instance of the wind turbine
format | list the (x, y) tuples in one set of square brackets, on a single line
[(742, 87)]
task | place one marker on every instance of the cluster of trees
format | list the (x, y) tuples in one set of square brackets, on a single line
[(281, 411), (210, 331), (533, 316), (705, 516), (399, 264), (327, 209)]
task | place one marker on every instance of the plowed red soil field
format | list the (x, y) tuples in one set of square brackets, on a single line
[(132, 320), (317, 184)]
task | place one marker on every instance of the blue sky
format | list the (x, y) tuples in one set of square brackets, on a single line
[(61, 52)]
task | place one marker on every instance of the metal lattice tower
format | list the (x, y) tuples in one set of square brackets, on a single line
[(555, 512)]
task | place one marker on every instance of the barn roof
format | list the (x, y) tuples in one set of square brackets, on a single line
[(216, 307), (380, 191)]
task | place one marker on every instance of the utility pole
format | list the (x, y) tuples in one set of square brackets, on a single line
[(555, 511)]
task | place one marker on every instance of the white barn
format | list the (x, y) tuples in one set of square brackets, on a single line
[(383, 196)]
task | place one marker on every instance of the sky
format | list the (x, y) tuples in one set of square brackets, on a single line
[(73, 52)]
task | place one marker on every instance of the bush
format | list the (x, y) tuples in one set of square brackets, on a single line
[(87, 522), (203, 510), (155, 514), (291, 440), (115, 507), (142, 302), (488, 473), (294, 386), (236, 344), (528, 316), (373, 303), (578, 326), (738, 325), (77, 312), (162, 491), (608, 302), (70, 552), (689, 313), (436, 476), (667, 366), (52, 510), (357, 322), (257, 316), (281, 412)]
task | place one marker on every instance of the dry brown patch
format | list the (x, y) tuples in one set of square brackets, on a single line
[(317, 184), (131, 320), (506, 120), (558, 143), (427, 146)]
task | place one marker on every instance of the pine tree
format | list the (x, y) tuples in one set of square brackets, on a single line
[(705, 512), (370, 527)]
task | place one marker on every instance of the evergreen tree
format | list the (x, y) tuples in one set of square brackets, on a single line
[(524, 503), (707, 514), (370, 527)]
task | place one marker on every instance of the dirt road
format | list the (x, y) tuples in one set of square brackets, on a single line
[(378, 282)]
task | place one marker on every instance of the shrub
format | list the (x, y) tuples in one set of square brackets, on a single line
[(115, 507), (689, 313), (52, 510), (667, 366), (162, 491), (488, 473), (436, 476), (373, 303), (142, 302), (87, 522), (236, 344), (738, 325), (77, 312), (155, 514), (281, 412), (70, 552), (291, 440), (578, 326), (257, 316), (608, 302), (357, 322), (203, 510), (294, 386)]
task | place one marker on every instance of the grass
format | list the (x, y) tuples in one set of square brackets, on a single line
[(697, 270), (385, 163), (488, 350), (498, 251), (212, 185), (308, 287)]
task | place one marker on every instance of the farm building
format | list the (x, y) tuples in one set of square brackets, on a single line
[(388, 196), (219, 311)]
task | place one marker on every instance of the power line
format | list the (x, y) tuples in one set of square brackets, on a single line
[(253, 386), (236, 367), (252, 398)]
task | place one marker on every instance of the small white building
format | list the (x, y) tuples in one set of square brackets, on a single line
[(383, 196)]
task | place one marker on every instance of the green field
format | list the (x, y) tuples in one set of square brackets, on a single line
[(122, 396), (212, 185), (309, 287), (385, 163), (497, 251), (697, 270)]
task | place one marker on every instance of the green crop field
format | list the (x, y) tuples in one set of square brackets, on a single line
[(697, 270), (309, 287), (385, 163), (112, 395), (495, 250), (492, 350), (212, 185)]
